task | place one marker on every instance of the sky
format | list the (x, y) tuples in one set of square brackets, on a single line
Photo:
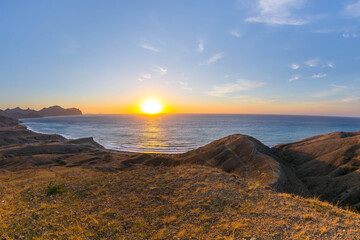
[(203, 56)]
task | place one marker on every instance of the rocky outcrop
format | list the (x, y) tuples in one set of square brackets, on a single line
[(328, 164), (89, 142), (59, 111), (5, 121)]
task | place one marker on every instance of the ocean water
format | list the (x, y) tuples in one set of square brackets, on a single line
[(176, 133)]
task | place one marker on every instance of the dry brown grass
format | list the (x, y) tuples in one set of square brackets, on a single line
[(184, 202)]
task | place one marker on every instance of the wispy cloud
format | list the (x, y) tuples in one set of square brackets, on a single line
[(239, 85), (258, 100), (146, 76), (325, 30), (345, 32), (150, 48), (349, 35), (294, 66), (184, 86), (319, 75), (353, 9), (200, 47), (334, 90), (331, 65), (294, 78), (277, 12), (235, 33), (312, 62), (350, 99), (161, 70), (213, 59)]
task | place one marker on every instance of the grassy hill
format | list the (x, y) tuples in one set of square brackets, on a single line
[(180, 202)]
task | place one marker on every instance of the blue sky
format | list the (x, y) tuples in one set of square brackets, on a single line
[(221, 56)]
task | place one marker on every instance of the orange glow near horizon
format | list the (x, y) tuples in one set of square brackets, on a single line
[(151, 106), (173, 104)]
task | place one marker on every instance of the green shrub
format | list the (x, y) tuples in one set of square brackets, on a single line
[(53, 189)]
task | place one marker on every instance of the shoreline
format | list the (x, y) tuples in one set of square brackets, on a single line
[(278, 167), (235, 183), (271, 136)]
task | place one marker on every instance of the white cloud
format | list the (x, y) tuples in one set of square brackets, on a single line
[(350, 99), (353, 9), (241, 97), (258, 100), (334, 90), (184, 85), (186, 88), (348, 35), (345, 32), (146, 76), (319, 75), (331, 65), (294, 66), (213, 59), (239, 85), (150, 48), (140, 79), (325, 30), (312, 62), (235, 33), (200, 47), (294, 78), (277, 12), (161, 70)]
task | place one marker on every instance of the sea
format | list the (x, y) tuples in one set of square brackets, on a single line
[(178, 133)]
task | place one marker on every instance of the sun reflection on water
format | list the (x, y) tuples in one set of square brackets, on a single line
[(152, 135)]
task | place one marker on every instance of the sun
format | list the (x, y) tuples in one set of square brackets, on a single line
[(151, 106)]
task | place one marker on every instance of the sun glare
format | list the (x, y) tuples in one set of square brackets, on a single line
[(151, 106)]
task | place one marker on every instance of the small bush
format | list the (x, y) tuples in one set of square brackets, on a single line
[(51, 189), (108, 157)]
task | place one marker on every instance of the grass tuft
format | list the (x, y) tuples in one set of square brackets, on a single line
[(52, 189)]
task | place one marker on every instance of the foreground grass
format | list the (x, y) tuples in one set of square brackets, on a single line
[(184, 202)]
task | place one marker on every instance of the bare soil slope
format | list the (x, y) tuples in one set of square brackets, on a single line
[(328, 164)]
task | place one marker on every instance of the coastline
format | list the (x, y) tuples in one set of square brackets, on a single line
[(235, 179), (142, 134)]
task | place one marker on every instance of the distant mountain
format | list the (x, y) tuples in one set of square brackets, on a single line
[(59, 111), (2, 113), (18, 113)]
